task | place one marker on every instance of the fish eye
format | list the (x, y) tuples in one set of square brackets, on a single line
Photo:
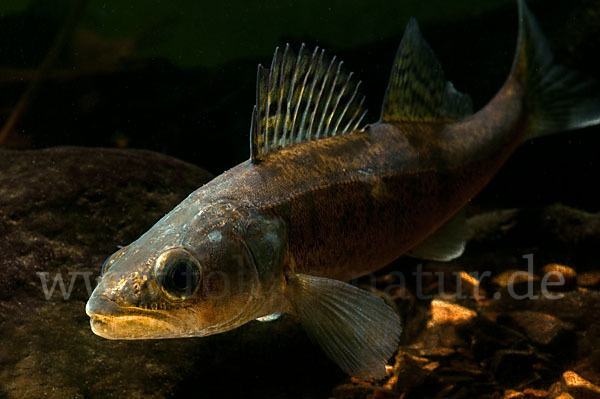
[(178, 273)]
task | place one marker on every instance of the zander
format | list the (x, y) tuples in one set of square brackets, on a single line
[(323, 200)]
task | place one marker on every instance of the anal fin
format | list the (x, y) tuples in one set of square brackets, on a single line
[(447, 243), (355, 328), (269, 317)]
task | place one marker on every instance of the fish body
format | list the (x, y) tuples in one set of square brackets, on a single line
[(354, 203), (323, 201)]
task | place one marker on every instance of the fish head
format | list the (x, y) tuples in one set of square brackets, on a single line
[(192, 274)]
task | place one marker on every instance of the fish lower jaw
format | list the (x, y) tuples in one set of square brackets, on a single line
[(132, 328), (100, 327)]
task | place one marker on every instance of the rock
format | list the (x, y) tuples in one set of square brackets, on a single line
[(471, 286), (62, 212), (351, 391), (522, 343), (588, 356), (491, 225), (570, 226), (557, 391), (514, 277), (514, 283), (558, 277), (443, 312), (488, 336), (535, 393), (410, 372), (513, 366), (380, 393), (564, 395), (527, 393), (579, 387), (567, 307), (541, 328), (77, 205), (88, 201), (442, 333), (512, 394), (589, 279), (405, 300)]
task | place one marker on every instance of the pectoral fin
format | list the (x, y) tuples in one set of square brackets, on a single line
[(355, 328), (447, 243)]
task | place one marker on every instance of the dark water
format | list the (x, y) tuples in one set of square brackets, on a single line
[(179, 77)]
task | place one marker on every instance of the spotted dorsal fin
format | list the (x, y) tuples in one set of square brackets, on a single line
[(302, 98), (418, 90)]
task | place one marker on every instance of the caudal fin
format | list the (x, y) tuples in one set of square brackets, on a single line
[(557, 98)]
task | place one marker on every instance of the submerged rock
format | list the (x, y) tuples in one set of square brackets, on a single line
[(66, 209), (443, 312), (62, 212), (561, 277), (589, 279), (528, 336), (542, 328), (579, 387)]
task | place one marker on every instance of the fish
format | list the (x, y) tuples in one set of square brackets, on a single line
[(324, 199)]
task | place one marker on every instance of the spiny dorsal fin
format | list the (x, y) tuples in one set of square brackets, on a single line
[(418, 90), (302, 98)]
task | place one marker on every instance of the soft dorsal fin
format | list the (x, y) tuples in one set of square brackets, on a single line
[(418, 90), (302, 98)]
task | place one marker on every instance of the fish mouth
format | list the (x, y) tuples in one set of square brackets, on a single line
[(111, 321)]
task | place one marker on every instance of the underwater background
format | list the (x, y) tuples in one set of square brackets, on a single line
[(178, 78)]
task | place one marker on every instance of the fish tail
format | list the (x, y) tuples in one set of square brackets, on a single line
[(556, 98)]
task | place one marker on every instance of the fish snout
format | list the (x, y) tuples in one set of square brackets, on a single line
[(101, 309), (101, 305)]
